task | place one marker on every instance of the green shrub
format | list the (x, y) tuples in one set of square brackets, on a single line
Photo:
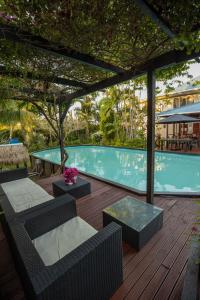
[(4, 136), (96, 137), (37, 142), (136, 143), (133, 143)]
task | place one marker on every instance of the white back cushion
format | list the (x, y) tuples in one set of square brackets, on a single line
[(57, 243), (24, 194)]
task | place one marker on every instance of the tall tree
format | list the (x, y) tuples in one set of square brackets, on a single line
[(14, 116), (55, 115), (87, 112)]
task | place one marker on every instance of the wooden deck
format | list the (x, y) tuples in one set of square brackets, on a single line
[(155, 272)]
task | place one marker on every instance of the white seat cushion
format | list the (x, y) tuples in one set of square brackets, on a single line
[(57, 243), (24, 194)]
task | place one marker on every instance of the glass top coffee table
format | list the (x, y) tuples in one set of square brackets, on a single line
[(139, 220)]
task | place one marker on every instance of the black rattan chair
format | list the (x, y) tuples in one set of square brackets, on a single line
[(11, 175), (14, 174), (92, 271)]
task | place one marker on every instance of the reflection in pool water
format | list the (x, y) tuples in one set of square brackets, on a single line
[(173, 172)]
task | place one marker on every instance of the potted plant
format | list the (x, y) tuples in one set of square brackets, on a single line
[(70, 175)]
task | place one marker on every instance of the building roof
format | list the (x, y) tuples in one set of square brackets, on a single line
[(187, 109), (178, 119), (188, 88)]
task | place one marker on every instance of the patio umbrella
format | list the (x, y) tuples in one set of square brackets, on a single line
[(178, 119)]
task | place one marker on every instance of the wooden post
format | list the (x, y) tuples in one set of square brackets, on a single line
[(61, 140), (63, 109), (61, 136), (150, 134)]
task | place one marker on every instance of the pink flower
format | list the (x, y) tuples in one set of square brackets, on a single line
[(70, 174), (194, 229)]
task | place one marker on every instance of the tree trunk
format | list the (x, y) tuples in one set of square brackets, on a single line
[(62, 146), (63, 152), (87, 130), (132, 98), (11, 132), (125, 120)]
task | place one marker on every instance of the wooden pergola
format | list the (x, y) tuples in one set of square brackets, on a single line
[(117, 74)]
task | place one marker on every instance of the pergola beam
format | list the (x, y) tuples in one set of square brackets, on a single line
[(162, 61), (32, 76), (149, 11), (17, 35), (30, 93), (24, 98), (35, 92)]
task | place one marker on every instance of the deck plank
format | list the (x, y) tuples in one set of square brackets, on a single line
[(162, 264), (173, 275), (155, 272)]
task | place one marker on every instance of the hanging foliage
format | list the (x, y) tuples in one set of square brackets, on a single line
[(117, 32)]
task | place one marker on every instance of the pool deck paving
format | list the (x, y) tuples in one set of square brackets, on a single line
[(155, 272)]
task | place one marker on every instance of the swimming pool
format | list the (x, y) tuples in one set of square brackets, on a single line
[(174, 173)]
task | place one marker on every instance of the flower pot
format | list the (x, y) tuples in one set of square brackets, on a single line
[(73, 181), (69, 183)]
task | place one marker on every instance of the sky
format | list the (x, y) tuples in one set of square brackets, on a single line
[(194, 70)]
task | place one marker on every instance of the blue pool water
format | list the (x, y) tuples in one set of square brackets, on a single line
[(173, 172)]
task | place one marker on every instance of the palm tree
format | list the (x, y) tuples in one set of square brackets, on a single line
[(88, 112), (13, 117)]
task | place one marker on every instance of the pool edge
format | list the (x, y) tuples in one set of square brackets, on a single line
[(136, 191)]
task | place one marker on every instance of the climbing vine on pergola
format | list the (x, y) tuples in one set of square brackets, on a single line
[(62, 50)]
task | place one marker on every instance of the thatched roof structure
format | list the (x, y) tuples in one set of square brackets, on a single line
[(13, 154)]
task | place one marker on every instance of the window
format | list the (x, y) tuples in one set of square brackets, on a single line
[(190, 128), (183, 102), (190, 100), (176, 102)]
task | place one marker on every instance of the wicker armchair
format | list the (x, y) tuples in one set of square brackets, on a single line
[(7, 176), (92, 271), (7, 206), (11, 175)]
